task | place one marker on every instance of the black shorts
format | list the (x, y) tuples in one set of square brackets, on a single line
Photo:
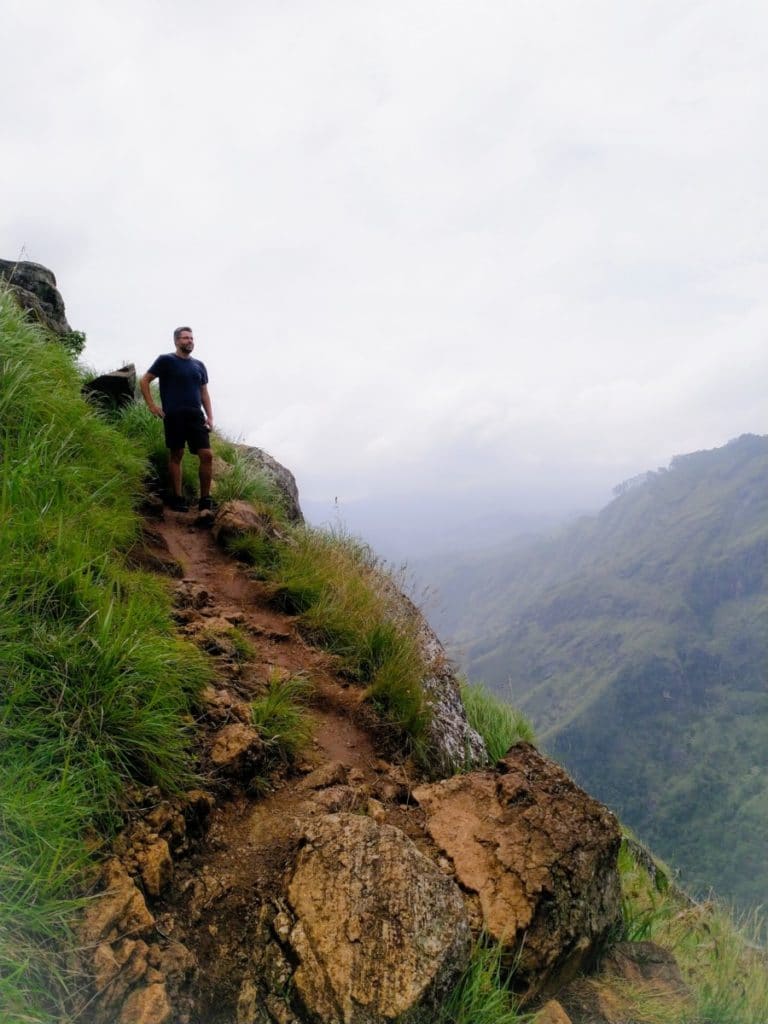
[(186, 426)]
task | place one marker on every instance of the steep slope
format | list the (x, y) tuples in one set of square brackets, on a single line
[(114, 706), (327, 871), (636, 640)]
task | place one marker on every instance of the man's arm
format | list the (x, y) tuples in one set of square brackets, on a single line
[(144, 383), (205, 398)]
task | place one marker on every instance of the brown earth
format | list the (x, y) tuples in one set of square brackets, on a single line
[(210, 891), (272, 892)]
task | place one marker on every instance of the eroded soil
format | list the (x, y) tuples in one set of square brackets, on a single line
[(221, 901)]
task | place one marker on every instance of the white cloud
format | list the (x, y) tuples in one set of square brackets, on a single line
[(419, 244)]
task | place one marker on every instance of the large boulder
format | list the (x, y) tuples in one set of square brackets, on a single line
[(378, 930), (281, 477), (239, 519), (452, 742), (35, 289), (540, 856)]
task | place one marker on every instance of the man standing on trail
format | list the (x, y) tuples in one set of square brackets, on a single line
[(183, 397)]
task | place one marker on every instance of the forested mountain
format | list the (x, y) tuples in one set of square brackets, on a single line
[(637, 641)]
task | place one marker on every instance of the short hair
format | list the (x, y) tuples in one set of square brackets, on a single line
[(178, 331)]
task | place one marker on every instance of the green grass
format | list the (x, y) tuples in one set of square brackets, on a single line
[(96, 687), (244, 481), (722, 956), (483, 995), (244, 649), (500, 725), (237, 478), (137, 423), (281, 717), (258, 550), (345, 601)]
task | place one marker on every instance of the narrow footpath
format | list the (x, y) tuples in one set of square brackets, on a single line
[(218, 901)]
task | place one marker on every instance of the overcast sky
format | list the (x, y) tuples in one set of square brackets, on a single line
[(425, 246)]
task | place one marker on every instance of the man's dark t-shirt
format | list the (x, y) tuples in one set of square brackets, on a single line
[(180, 382)]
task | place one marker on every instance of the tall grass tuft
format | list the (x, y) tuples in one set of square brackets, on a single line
[(722, 957), (483, 995), (500, 725), (280, 715), (96, 688), (137, 423), (242, 480), (345, 602)]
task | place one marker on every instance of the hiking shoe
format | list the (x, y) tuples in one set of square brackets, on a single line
[(178, 504), (206, 504)]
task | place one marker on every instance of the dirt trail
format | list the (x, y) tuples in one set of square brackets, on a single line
[(276, 641), (224, 889)]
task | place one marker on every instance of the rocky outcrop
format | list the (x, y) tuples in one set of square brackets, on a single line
[(113, 930), (283, 479), (35, 289), (629, 968), (238, 519), (137, 970), (552, 1013), (453, 743), (328, 888), (113, 390), (540, 855), (378, 929)]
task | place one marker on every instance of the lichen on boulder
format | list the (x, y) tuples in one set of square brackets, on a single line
[(540, 855), (378, 930)]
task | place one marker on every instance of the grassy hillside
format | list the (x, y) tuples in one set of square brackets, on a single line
[(636, 641), (96, 686)]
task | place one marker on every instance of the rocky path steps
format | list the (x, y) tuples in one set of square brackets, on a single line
[(191, 876), (340, 886)]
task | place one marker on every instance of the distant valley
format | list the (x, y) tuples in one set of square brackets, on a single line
[(637, 642)]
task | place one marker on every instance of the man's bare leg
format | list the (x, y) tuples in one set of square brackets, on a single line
[(206, 471), (174, 469)]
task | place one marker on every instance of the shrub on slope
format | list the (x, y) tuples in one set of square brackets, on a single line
[(95, 686)]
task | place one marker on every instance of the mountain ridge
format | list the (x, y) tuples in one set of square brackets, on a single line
[(648, 615)]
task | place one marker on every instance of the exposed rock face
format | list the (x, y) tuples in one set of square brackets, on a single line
[(541, 856), (120, 911), (646, 962), (35, 289), (238, 518), (378, 928), (148, 1005), (155, 866), (453, 743), (282, 477), (119, 959)]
